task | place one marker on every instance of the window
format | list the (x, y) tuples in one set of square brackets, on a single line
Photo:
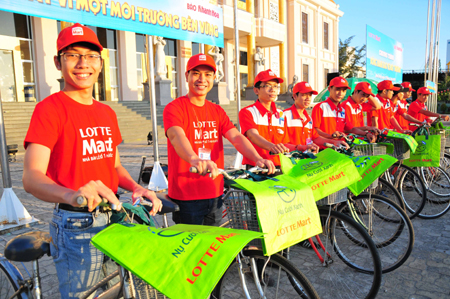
[(325, 36), (171, 61), (305, 27), (325, 79), (305, 70), (195, 48), (243, 58), (140, 65), (108, 81), (273, 11), (17, 28)]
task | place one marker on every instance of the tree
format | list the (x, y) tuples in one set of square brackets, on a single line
[(351, 59)]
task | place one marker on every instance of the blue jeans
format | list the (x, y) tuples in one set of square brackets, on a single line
[(201, 212), (79, 265)]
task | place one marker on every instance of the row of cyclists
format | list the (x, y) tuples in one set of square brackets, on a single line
[(71, 146)]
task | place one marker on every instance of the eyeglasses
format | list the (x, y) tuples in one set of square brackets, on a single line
[(269, 87), (75, 57)]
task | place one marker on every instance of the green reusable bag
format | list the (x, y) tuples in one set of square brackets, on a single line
[(287, 212), (370, 168), (327, 174), (428, 153), (412, 143), (181, 261)]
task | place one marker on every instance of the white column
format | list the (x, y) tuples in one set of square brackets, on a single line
[(229, 70), (45, 34), (127, 66)]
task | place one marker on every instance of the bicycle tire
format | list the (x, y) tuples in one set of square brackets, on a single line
[(436, 204), (389, 191), (8, 286), (412, 189), (389, 227), (291, 282), (350, 270)]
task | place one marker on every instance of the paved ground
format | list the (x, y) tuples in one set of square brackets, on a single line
[(426, 274)]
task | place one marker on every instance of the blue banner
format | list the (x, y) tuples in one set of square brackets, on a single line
[(384, 57), (195, 21)]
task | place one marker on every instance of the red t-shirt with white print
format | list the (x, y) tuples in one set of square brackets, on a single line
[(204, 127), (82, 140)]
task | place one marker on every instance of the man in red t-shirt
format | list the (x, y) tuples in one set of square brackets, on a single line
[(419, 110), (71, 151), (362, 100), (400, 113), (262, 122), (384, 118), (195, 128), (329, 115), (299, 125)]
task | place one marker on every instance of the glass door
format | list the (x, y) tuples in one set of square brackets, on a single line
[(7, 80)]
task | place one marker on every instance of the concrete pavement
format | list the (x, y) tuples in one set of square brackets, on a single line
[(426, 274)]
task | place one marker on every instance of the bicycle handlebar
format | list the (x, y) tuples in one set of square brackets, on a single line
[(82, 202), (226, 174)]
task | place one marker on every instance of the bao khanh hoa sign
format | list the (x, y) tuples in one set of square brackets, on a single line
[(195, 21)]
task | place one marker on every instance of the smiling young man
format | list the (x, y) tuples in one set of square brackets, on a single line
[(195, 129), (299, 125), (362, 100), (329, 115), (384, 118), (71, 151), (262, 122), (419, 110)]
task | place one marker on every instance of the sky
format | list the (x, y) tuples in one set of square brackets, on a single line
[(402, 20)]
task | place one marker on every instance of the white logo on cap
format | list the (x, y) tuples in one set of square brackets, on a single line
[(307, 84), (77, 31), (202, 57), (426, 89), (369, 87), (342, 80), (271, 73)]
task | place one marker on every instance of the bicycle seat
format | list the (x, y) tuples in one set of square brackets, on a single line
[(28, 247), (168, 205)]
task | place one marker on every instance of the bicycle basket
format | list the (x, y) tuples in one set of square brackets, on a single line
[(442, 133), (447, 137), (241, 211), (372, 186), (371, 149), (336, 197), (401, 149), (144, 290)]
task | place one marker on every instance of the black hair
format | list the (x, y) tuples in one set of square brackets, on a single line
[(258, 84)]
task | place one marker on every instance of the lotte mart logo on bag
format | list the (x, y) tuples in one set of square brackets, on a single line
[(286, 194), (311, 165), (421, 148)]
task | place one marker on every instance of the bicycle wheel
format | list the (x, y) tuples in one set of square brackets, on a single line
[(347, 270), (388, 190), (8, 286), (387, 224), (411, 188), (281, 279), (437, 182)]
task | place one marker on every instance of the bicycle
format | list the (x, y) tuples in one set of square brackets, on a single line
[(333, 269), (436, 179), (385, 221), (30, 247)]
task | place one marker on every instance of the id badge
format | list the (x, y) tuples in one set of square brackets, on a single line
[(204, 153)]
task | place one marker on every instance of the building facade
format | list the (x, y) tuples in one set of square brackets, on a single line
[(295, 37)]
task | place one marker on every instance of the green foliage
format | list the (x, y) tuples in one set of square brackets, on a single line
[(443, 108), (351, 59)]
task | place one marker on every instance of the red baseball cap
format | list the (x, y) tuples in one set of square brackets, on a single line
[(423, 90), (408, 85), (364, 87), (200, 59), (339, 82), (77, 34), (386, 84), (267, 75), (303, 87)]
